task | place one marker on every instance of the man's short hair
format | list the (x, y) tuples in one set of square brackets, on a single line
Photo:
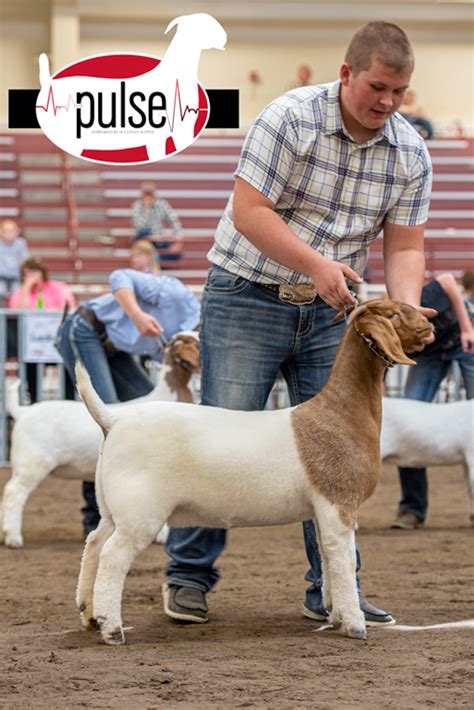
[(384, 42)]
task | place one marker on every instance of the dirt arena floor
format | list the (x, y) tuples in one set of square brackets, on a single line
[(257, 651)]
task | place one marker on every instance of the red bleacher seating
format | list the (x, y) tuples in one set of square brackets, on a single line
[(34, 190)]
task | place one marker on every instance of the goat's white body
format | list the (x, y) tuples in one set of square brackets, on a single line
[(189, 478), (213, 467), (56, 438), (419, 434)]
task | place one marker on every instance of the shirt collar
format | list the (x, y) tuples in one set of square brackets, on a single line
[(334, 123)]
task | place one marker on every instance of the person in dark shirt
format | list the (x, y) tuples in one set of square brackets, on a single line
[(454, 343)]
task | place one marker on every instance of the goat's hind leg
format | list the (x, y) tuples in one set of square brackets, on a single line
[(89, 565), (338, 543), (116, 558)]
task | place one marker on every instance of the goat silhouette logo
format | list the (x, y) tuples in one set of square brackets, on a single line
[(129, 109)]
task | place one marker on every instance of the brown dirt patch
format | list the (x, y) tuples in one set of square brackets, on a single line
[(258, 651)]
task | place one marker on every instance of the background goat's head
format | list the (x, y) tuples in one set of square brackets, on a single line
[(183, 348), (395, 327), (200, 29)]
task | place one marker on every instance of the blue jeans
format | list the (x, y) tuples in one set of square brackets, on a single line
[(248, 336), (422, 384), (116, 377)]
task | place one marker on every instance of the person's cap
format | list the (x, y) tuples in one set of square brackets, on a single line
[(148, 188)]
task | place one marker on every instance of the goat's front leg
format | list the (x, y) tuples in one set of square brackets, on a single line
[(338, 544), (89, 565), (326, 579), (116, 558), (15, 495)]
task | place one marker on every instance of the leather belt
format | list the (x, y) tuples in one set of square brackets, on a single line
[(299, 294), (89, 315)]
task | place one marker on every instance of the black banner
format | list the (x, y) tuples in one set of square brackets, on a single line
[(224, 108)]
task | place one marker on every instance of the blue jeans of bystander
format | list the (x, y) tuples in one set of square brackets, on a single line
[(248, 336)]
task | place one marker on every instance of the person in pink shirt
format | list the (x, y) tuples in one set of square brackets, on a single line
[(38, 291)]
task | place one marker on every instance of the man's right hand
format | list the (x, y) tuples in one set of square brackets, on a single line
[(147, 325), (329, 282)]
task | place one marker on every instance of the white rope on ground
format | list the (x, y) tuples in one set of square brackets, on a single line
[(449, 626)]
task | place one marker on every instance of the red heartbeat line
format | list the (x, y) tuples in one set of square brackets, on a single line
[(55, 108), (182, 114), (177, 100)]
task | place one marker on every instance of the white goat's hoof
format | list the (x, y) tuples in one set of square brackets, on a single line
[(116, 637), (354, 632), (88, 622), (13, 542)]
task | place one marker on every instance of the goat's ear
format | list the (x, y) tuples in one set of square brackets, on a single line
[(381, 330), (172, 24)]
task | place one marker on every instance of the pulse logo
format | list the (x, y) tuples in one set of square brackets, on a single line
[(128, 109)]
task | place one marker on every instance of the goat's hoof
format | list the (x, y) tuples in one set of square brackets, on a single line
[(354, 632), (14, 542), (116, 637), (89, 623), (335, 623)]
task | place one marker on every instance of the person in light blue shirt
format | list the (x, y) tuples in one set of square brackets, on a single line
[(137, 318), (13, 251)]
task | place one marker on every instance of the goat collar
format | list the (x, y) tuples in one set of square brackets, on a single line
[(182, 363), (387, 361)]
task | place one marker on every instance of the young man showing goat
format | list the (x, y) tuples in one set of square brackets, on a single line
[(323, 170)]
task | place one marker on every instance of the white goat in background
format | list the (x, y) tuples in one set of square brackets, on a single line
[(58, 437), (420, 434)]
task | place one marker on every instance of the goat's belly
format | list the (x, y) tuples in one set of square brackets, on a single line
[(74, 472), (422, 458), (184, 517)]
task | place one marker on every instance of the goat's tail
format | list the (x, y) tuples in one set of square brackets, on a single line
[(97, 409), (12, 398)]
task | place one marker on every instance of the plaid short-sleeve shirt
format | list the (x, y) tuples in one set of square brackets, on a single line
[(334, 193)]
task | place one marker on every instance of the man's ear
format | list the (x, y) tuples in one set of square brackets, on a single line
[(381, 331), (344, 73)]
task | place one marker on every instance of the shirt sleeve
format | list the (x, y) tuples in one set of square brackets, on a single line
[(268, 155), (413, 205), (146, 287), (171, 217), (24, 251), (14, 300), (69, 296)]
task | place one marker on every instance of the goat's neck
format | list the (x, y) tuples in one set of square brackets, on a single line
[(356, 378), (174, 55), (173, 383)]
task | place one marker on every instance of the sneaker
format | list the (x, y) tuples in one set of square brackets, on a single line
[(185, 603), (373, 615), (407, 521)]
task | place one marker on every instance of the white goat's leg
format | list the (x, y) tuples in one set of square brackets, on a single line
[(15, 494), (327, 602), (338, 542), (162, 537), (116, 558), (469, 474), (89, 565)]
